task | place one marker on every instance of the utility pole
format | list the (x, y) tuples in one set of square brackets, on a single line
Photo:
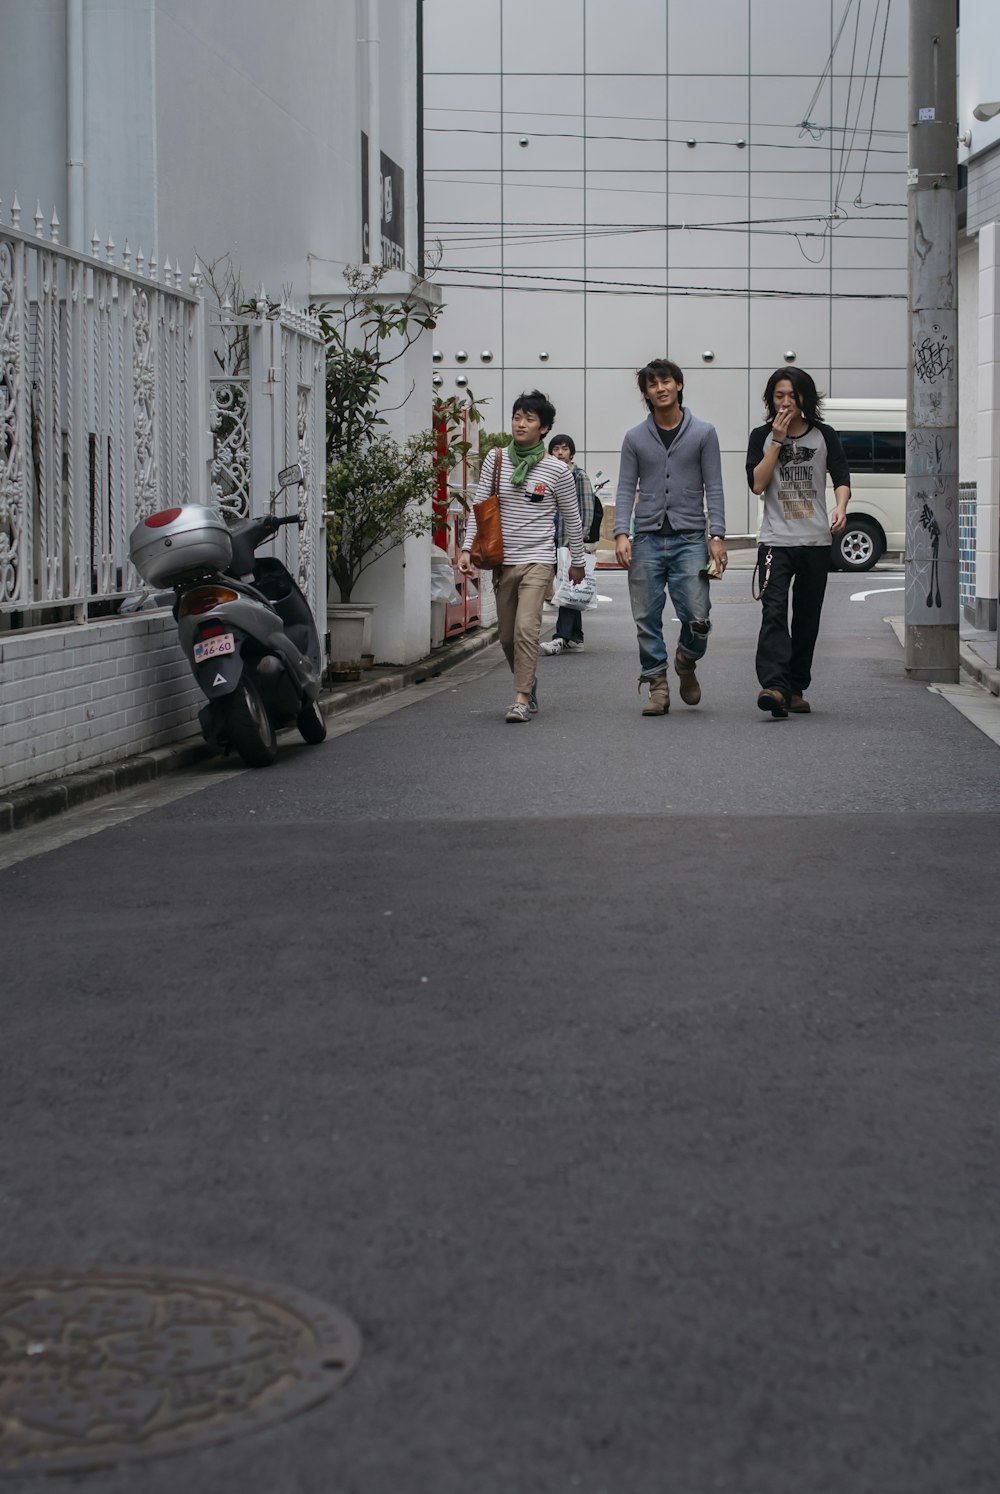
[(932, 381)]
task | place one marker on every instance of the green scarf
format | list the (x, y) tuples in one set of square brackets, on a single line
[(522, 459)]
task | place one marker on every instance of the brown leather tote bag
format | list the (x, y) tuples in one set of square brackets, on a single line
[(487, 547)]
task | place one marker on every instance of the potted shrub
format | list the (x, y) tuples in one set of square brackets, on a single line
[(379, 491)]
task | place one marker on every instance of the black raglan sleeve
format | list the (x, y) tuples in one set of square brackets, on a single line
[(755, 450), (836, 461)]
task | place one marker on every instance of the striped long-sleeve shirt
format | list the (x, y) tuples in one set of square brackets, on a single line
[(527, 514)]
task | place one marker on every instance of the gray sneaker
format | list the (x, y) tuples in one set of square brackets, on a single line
[(554, 646), (518, 712)]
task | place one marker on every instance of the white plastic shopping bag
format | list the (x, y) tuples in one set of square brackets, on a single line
[(443, 587), (578, 595)]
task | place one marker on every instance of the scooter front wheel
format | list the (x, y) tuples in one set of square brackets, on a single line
[(312, 724), (248, 726)]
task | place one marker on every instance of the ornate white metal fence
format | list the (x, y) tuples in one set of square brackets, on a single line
[(269, 410), (103, 413)]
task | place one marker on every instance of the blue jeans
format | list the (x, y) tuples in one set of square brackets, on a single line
[(674, 562)]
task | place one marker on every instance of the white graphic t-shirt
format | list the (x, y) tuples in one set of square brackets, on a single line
[(795, 500)]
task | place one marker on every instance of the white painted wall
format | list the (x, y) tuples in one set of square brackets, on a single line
[(978, 73), (232, 127)]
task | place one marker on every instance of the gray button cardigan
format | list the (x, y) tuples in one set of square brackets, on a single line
[(683, 484)]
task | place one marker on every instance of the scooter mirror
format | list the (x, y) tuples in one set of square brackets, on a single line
[(291, 475)]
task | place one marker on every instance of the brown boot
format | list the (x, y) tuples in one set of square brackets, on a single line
[(773, 701), (658, 703), (799, 705), (690, 688)]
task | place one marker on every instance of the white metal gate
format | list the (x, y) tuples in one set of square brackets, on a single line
[(269, 410)]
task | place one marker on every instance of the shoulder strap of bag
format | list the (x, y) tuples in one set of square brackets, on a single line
[(497, 464)]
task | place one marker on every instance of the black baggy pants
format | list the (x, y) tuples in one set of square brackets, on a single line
[(785, 655)]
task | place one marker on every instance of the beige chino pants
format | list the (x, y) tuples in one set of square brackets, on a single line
[(520, 593)]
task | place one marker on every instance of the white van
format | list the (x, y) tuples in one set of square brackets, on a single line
[(874, 435)]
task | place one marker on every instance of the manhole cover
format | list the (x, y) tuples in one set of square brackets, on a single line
[(100, 1367)]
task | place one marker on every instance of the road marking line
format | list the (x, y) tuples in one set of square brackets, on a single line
[(876, 591)]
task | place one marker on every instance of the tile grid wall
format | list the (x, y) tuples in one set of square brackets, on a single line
[(967, 543), (584, 209)]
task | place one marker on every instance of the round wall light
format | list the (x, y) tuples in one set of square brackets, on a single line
[(708, 356), (461, 356), (437, 355), (437, 381), (486, 356), (461, 381), (790, 355), (543, 357)]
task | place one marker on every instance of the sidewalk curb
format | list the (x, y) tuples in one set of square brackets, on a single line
[(980, 673), (975, 670), (41, 801)]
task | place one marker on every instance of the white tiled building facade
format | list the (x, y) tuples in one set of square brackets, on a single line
[(979, 295), (723, 183)]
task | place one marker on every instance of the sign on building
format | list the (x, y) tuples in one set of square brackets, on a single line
[(391, 211)]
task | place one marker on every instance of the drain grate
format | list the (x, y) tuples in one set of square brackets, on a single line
[(103, 1367)]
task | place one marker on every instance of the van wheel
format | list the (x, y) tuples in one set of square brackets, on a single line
[(311, 724), (249, 727), (859, 547)]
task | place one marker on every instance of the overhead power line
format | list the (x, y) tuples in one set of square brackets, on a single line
[(579, 283)]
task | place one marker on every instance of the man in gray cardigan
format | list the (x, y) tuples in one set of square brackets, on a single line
[(671, 474)]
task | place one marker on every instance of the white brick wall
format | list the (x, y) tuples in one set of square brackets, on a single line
[(79, 697)]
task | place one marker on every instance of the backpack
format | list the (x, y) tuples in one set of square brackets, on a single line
[(594, 532)]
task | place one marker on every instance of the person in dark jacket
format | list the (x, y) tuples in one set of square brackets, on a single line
[(671, 475), (788, 460), (568, 635)]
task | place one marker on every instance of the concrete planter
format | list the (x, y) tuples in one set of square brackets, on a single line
[(346, 632), (367, 655)]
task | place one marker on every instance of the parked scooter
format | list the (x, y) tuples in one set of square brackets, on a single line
[(243, 623)]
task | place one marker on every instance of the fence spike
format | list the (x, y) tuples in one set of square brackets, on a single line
[(195, 279), (39, 220), (140, 260), (110, 250), (178, 275), (95, 242), (152, 265), (54, 227), (15, 213), (126, 255), (261, 301)]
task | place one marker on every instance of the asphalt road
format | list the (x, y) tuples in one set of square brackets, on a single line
[(631, 1082)]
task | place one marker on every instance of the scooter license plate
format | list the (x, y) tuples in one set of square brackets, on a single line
[(211, 648)]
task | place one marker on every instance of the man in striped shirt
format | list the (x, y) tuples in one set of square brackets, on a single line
[(533, 485)]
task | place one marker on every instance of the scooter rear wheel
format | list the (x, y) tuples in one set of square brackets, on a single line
[(311, 724), (249, 727)]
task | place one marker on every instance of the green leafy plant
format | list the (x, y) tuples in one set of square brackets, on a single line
[(379, 491), (378, 495)]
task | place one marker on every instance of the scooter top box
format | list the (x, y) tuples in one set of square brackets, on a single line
[(177, 543)]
